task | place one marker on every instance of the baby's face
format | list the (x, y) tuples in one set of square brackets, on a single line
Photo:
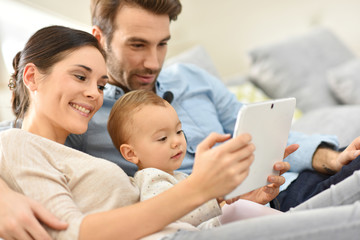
[(158, 139)]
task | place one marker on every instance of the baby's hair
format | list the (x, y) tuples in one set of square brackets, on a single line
[(120, 117)]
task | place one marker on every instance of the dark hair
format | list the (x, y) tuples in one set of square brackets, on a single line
[(45, 48), (120, 115), (103, 12)]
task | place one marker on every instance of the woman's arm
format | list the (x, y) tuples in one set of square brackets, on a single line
[(216, 172)]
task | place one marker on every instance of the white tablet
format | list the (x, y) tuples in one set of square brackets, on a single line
[(269, 124)]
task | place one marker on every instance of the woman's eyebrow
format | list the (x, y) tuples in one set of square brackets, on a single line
[(85, 67), (106, 77), (90, 70)]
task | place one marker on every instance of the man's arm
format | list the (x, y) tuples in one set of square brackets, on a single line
[(20, 216), (325, 160), (328, 161)]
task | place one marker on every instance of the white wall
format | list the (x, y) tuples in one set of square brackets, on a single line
[(227, 29), (230, 28)]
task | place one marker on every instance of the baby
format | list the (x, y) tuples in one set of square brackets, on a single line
[(147, 131)]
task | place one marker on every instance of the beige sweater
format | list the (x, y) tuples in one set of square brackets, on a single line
[(69, 183)]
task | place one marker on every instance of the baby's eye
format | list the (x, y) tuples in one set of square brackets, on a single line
[(80, 77), (162, 139), (179, 132)]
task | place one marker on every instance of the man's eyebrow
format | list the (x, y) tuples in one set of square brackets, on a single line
[(138, 39)]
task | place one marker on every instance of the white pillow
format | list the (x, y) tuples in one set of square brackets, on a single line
[(297, 68), (344, 81)]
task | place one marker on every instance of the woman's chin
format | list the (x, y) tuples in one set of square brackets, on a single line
[(79, 130)]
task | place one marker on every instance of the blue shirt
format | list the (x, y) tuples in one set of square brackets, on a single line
[(204, 105)]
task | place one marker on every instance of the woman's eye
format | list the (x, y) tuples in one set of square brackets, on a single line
[(101, 88), (80, 77)]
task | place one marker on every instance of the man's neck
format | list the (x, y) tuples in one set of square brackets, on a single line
[(117, 84)]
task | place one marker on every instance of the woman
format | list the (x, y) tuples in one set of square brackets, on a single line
[(57, 84)]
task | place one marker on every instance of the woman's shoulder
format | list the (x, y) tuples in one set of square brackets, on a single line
[(19, 137), (13, 135), (22, 140)]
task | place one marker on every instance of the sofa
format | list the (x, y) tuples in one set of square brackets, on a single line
[(316, 68)]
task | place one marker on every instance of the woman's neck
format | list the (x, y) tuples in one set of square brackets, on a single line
[(43, 128)]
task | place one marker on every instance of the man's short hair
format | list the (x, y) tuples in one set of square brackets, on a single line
[(103, 12)]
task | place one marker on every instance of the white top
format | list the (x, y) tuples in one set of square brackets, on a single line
[(152, 182)]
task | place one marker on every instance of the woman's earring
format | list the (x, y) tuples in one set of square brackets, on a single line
[(12, 84)]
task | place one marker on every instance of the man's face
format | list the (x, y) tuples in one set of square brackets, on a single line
[(138, 48)]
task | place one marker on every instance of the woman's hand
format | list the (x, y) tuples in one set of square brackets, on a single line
[(267, 193), (20, 217), (218, 170)]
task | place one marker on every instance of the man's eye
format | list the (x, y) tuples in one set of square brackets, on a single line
[(80, 77), (137, 45), (163, 44)]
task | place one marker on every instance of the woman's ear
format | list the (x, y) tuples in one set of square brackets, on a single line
[(98, 34), (29, 77), (127, 151)]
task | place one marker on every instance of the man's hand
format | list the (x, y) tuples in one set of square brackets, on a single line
[(328, 161), (267, 193), (20, 217)]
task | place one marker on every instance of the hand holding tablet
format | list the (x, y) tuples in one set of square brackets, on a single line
[(269, 124)]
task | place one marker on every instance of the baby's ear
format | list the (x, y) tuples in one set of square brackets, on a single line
[(128, 153)]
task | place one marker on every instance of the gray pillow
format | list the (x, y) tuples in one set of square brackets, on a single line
[(297, 68), (342, 121), (196, 55), (344, 81)]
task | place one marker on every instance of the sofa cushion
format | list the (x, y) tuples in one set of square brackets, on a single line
[(344, 81), (342, 121), (297, 68), (247, 92), (196, 55)]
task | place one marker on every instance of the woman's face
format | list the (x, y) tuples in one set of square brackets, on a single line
[(68, 96)]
